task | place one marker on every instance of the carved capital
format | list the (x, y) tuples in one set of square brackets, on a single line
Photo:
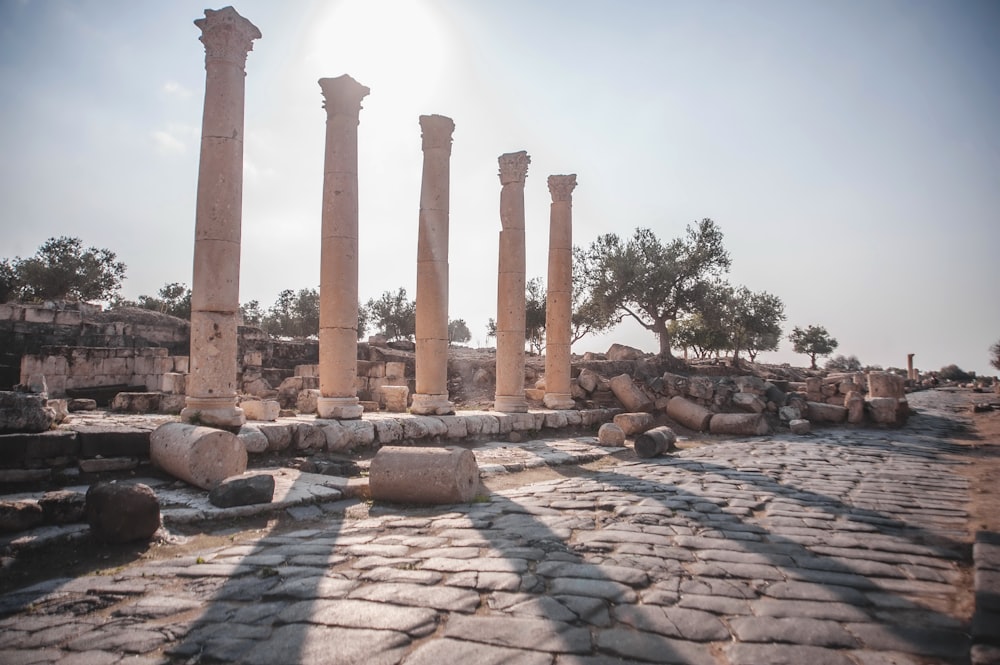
[(342, 95), (513, 167), (561, 187), (227, 36), (436, 131)]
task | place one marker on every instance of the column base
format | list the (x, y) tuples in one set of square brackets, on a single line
[(220, 412), (431, 405), (559, 401), (339, 408), (510, 404)]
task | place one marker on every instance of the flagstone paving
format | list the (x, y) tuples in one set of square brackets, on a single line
[(843, 547)]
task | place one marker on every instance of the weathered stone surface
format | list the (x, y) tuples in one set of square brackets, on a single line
[(63, 506), (534, 634), (253, 439), (883, 410), (305, 401), (24, 412), (886, 384), (279, 436), (136, 402), (201, 456), (617, 352), (819, 412), (395, 398), (748, 402), (854, 402), (629, 394), (112, 441), (800, 426), (687, 413), (701, 387), (789, 413), (611, 435), (243, 491), (306, 436), (19, 515), (740, 424), (423, 475), (588, 380), (634, 423), (655, 442), (81, 404), (261, 409), (121, 512)]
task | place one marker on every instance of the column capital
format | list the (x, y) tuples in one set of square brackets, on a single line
[(513, 167), (436, 131), (342, 95), (561, 187), (227, 36)]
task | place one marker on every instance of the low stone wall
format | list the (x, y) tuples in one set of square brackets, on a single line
[(69, 368)]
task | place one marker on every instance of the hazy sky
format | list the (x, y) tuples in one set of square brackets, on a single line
[(849, 149)]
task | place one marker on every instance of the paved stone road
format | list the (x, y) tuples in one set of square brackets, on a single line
[(845, 547)]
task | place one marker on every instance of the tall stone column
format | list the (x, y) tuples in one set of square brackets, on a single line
[(431, 396), (510, 285), (559, 297), (215, 288), (338, 288), (910, 373)]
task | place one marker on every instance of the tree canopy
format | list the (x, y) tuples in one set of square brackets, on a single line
[(654, 282), (62, 269), (173, 299), (995, 353), (813, 341), (458, 332), (534, 315), (394, 315)]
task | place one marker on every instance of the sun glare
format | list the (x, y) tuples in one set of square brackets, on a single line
[(395, 48)]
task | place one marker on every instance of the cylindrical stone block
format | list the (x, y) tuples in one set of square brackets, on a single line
[(655, 442), (201, 456), (742, 424), (611, 435), (687, 413), (403, 474)]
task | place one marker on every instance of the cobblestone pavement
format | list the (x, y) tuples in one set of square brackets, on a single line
[(844, 547)]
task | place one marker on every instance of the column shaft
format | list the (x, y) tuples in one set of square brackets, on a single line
[(338, 305), (559, 296), (510, 286), (215, 288), (431, 396)]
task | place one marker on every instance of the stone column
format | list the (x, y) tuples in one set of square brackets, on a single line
[(215, 288), (431, 396), (910, 374), (338, 288), (559, 297), (510, 286)]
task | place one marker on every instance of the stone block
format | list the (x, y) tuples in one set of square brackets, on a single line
[(622, 352), (307, 370), (63, 506), (182, 364), (173, 383), (655, 442), (611, 435), (534, 394), (886, 384), (172, 404), (457, 426), (423, 475), (122, 512), (395, 398), (261, 409), (39, 315), (556, 420), (739, 424), (20, 515), (388, 430), (337, 438), (306, 400), (24, 412), (253, 439), (687, 413), (253, 359), (16, 449), (751, 384), (883, 410), (128, 402), (814, 385), (701, 387), (279, 435), (306, 436), (634, 423), (395, 370), (201, 456), (107, 464), (799, 426), (820, 412), (361, 432), (243, 491), (675, 384), (112, 441), (749, 402), (629, 394), (373, 370), (587, 380), (81, 404), (789, 413), (854, 402)]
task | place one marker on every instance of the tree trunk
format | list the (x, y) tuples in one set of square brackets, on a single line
[(660, 328)]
